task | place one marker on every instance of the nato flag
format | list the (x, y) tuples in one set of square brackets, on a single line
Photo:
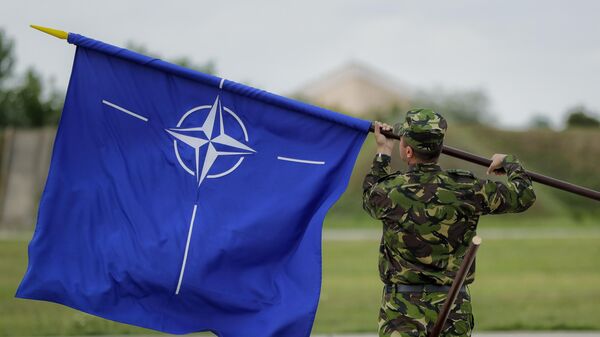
[(181, 202)]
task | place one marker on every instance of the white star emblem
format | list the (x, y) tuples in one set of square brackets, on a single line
[(210, 136), (207, 135)]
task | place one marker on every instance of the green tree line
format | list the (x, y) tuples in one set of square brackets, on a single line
[(470, 107), (26, 100)]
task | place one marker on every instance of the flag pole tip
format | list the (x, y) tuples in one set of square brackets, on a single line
[(54, 32)]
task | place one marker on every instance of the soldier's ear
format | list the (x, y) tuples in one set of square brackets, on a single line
[(409, 152)]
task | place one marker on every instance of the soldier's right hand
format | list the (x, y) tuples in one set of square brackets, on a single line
[(496, 164)]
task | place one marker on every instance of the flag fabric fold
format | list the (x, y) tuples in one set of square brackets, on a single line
[(182, 202)]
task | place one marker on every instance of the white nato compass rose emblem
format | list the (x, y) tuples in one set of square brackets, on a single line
[(211, 138), (203, 130)]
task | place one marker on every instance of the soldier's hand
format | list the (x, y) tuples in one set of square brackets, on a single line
[(496, 164), (384, 144)]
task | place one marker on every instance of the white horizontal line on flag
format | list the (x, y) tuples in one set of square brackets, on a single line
[(301, 160), (125, 110)]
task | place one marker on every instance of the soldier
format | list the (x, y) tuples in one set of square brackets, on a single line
[(429, 217)]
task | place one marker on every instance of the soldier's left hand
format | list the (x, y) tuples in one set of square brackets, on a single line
[(384, 144)]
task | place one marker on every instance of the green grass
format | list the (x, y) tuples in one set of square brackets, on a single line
[(531, 284), (539, 284), (526, 284), (36, 318)]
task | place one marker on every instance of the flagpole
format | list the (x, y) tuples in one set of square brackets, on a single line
[(542, 179), (457, 284)]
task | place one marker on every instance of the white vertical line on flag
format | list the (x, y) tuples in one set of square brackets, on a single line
[(221, 84), (112, 105), (301, 160), (187, 247)]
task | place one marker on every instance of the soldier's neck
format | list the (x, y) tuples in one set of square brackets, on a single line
[(414, 161)]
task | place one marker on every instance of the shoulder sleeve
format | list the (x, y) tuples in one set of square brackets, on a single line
[(375, 192), (458, 173), (515, 196)]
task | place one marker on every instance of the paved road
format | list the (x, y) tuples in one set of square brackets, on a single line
[(482, 334), (502, 334)]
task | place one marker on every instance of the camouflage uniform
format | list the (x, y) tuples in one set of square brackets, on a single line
[(429, 217)]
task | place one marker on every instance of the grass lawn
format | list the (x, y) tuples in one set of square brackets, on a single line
[(527, 284), (521, 284)]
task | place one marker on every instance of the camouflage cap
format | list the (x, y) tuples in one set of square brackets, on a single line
[(423, 130)]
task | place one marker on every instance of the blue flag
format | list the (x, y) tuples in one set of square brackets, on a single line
[(182, 202)]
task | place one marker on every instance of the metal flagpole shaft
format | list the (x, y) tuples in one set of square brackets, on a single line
[(542, 179), (456, 285)]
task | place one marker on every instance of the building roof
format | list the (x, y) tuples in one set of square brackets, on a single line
[(357, 89)]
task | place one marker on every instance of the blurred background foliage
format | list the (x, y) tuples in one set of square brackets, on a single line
[(26, 100), (460, 106), (569, 152), (208, 67), (30, 100)]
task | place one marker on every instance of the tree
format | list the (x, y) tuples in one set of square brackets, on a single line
[(539, 121), (29, 106), (461, 106), (580, 116), (7, 61), (26, 101), (209, 67)]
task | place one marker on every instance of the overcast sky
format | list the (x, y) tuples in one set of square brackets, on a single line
[(531, 57)]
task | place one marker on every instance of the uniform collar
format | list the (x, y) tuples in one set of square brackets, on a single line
[(424, 167)]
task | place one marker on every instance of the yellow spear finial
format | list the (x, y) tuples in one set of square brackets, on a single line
[(54, 32)]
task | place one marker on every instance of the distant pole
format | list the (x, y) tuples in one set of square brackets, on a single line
[(542, 179), (461, 275)]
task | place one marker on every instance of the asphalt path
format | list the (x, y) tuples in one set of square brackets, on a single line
[(480, 334)]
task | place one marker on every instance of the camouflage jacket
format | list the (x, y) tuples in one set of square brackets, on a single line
[(430, 215)]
